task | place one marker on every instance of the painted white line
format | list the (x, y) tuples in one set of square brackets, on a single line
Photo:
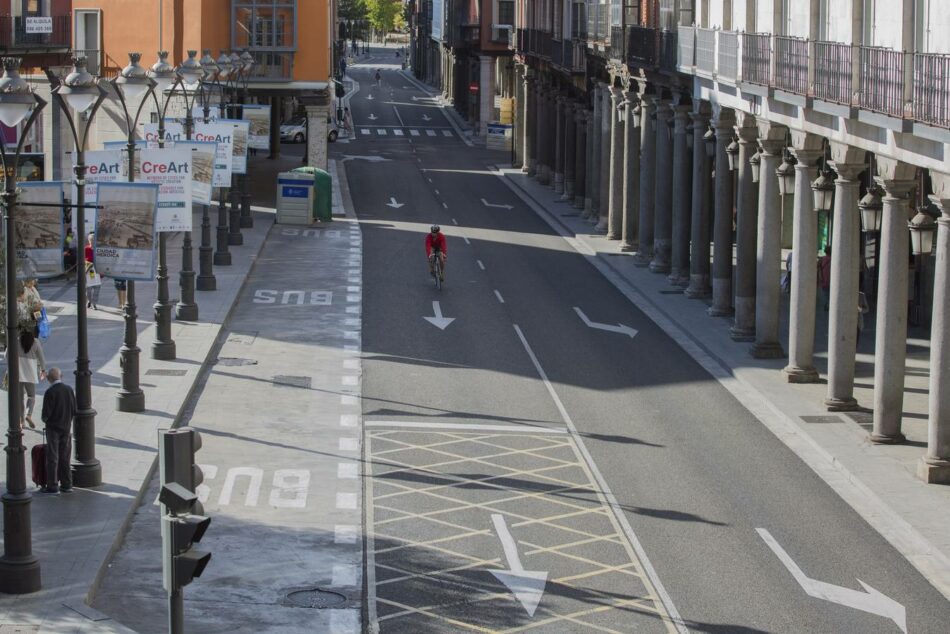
[(430, 132), (344, 622), (351, 364), (350, 348), (414, 132), (349, 420), (398, 132), (352, 321), (444, 206), (526, 585), (349, 444), (354, 249), (347, 399), (455, 222), (349, 380), (365, 131), (446, 133), (343, 575), (353, 310), (428, 179), (608, 495), (437, 192), (352, 298), (345, 534), (501, 299), (480, 265), (528, 429), (381, 132), (346, 501), (466, 240), (353, 289), (351, 334), (346, 470)]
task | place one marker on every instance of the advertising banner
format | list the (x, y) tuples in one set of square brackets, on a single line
[(171, 170), (40, 232), (102, 166), (174, 131), (239, 155), (202, 169), (198, 113), (258, 137), (125, 230), (223, 135)]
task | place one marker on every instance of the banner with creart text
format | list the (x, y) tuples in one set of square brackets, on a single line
[(202, 168), (174, 131), (40, 233), (223, 135), (102, 166), (171, 170), (124, 241)]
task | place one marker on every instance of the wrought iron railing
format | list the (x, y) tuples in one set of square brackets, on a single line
[(728, 55), (882, 80), (641, 46), (791, 64), (686, 45), (13, 33), (932, 88), (833, 72), (544, 43), (756, 58), (556, 52), (616, 42), (706, 50), (668, 50)]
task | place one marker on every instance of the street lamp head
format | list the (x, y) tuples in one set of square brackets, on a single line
[(79, 89), (16, 96), (162, 72), (732, 153), (133, 79), (224, 63), (237, 66), (710, 139), (823, 192), (191, 70), (755, 162), (786, 176), (871, 210), (248, 60), (922, 229)]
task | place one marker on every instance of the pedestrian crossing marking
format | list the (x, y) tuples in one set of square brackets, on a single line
[(397, 132), (365, 131), (446, 133), (414, 132), (430, 132), (381, 132), (400, 131)]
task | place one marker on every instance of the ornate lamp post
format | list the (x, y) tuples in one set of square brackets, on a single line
[(132, 82), (235, 238), (207, 71), (247, 219), (19, 568), (222, 256)]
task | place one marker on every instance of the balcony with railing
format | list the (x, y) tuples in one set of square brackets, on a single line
[(791, 64), (727, 56), (756, 58), (641, 46), (881, 87), (686, 45), (668, 49), (616, 42), (705, 51), (932, 88), (16, 33), (833, 73)]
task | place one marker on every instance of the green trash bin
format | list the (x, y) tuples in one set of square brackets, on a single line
[(323, 192)]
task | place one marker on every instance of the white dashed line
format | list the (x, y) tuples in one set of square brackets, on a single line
[(348, 420), (345, 534), (352, 321), (353, 289), (349, 444), (381, 132), (444, 206), (349, 380), (480, 265), (349, 348), (344, 575), (346, 471), (347, 399), (351, 364), (500, 298), (346, 501), (455, 222)]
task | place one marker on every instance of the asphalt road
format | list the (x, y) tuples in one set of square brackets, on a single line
[(701, 483)]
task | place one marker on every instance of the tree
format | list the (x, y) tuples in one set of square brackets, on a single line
[(382, 14)]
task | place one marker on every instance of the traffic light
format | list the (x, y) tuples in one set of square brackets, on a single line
[(183, 520)]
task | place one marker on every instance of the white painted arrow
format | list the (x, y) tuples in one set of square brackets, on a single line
[(488, 204), (370, 96), (439, 321), (871, 601), (369, 159), (372, 117), (392, 203), (526, 585), (619, 328), (426, 117)]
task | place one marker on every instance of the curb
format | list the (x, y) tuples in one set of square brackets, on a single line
[(450, 115)]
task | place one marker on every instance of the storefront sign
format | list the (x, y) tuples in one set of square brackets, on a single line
[(125, 230), (40, 231)]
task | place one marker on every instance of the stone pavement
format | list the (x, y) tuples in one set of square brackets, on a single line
[(76, 535), (878, 481)]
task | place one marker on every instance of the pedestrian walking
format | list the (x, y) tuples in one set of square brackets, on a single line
[(863, 308), (824, 276), (69, 252), (378, 78), (59, 409), (347, 122), (93, 279), (787, 275), (342, 67), (121, 291), (32, 366)]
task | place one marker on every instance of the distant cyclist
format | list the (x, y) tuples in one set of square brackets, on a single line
[(378, 78), (436, 247)]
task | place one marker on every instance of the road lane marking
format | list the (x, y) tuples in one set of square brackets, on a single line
[(346, 501), (348, 420), (345, 534), (444, 206), (347, 471), (436, 191), (480, 265), (501, 299), (438, 320), (446, 133), (397, 132), (430, 132), (526, 585), (348, 444), (466, 240), (381, 132), (533, 429), (365, 131), (619, 328), (343, 575), (618, 513), (414, 132)]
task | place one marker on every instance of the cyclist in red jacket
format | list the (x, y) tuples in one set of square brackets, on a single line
[(435, 246)]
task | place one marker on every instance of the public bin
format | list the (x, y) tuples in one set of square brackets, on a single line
[(323, 192), (295, 198)]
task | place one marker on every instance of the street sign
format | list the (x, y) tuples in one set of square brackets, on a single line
[(39, 25)]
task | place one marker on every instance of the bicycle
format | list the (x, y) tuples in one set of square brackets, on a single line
[(437, 273)]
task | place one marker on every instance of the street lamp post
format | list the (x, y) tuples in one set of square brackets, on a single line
[(163, 348), (77, 93), (247, 219), (222, 256), (204, 70), (132, 82), (235, 238), (19, 567)]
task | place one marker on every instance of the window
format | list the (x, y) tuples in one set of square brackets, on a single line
[(506, 12), (89, 38), (264, 24)]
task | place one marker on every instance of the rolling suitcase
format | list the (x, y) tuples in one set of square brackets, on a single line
[(38, 457)]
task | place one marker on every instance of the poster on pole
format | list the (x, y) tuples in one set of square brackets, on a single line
[(202, 169), (258, 137), (40, 231), (170, 169), (125, 230), (102, 166), (174, 131), (239, 154), (223, 135), (198, 113)]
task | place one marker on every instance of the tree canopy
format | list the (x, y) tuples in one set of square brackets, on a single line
[(384, 15)]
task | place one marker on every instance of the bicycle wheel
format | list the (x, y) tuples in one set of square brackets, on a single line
[(438, 274)]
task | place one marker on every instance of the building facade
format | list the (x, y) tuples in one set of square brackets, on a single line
[(723, 140)]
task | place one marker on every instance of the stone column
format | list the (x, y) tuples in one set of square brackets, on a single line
[(806, 148), (590, 166), (603, 208), (545, 169), (580, 156), (934, 467), (317, 137), (663, 208), (539, 131), (890, 347), (722, 222), (843, 316), (682, 196), (769, 245), (518, 127), (594, 165), (559, 133), (747, 213), (528, 122), (615, 208), (570, 139), (647, 178), (698, 245), (486, 93), (631, 172)]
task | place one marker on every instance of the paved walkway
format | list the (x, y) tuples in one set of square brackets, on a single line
[(76, 535), (878, 481)]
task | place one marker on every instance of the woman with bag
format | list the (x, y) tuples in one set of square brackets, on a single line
[(34, 304), (93, 279), (32, 365)]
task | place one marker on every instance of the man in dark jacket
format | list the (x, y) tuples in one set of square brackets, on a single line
[(59, 408)]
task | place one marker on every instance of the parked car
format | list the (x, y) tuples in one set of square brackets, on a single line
[(295, 130)]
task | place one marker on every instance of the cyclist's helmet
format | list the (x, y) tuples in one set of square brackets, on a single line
[(435, 228)]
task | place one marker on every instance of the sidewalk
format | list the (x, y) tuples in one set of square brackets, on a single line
[(75, 535), (878, 481)]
